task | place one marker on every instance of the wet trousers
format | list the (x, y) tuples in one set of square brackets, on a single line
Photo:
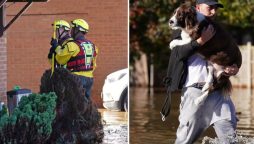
[(194, 119)]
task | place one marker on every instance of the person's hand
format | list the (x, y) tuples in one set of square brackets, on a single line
[(51, 52), (231, 70), (206, 35), (53, 42)]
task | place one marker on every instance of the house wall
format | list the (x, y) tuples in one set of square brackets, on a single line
[(29, 38)]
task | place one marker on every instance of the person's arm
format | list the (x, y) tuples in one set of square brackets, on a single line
[(64, 54), (53, 44), (184, 51)]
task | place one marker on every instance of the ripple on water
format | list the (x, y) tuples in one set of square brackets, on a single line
[(115, 134), (239, 139)]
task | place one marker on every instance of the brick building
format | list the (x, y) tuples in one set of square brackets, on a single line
[(27, 40)]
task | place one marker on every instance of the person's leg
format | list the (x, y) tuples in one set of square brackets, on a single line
[(225, 130), (223, 116), (188, 133), (88, 86), (192, 124)]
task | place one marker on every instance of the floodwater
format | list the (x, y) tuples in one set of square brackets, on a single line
[(115, 126), (146, 125)]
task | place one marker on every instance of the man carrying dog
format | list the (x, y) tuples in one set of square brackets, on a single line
[(188, 71)]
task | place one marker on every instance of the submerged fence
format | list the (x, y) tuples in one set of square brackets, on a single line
[(245, 76)]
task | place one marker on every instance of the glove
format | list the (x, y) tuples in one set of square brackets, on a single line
[(51, 52), (53, 43)]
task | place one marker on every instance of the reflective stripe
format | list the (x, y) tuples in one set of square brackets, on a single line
[(84, 60)]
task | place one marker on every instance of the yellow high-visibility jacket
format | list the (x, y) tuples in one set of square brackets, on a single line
[(70, 49)]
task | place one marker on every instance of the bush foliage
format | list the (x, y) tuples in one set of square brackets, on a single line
[(30, 122), (60, 117), (77, 118)]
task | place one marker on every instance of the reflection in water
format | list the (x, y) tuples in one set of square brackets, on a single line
[(114, 117), (115, 127), (146, 125)]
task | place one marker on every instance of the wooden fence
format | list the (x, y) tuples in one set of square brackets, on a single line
[(245, 76)]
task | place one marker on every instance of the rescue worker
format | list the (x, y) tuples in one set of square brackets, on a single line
[(85, 63), (77, 56), (62, 45)]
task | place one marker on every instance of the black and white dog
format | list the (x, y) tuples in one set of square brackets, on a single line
[(220, 50)]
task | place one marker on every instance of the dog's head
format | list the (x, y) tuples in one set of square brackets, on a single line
[(185, 17)]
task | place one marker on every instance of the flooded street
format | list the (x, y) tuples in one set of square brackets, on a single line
[(115, 126), (146, 125)]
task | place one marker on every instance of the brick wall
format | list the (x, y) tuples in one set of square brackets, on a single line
[(29, 37)]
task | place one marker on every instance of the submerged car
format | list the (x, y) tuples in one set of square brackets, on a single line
[(115, 90)]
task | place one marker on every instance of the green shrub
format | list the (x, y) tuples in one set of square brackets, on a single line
[(30, 122)]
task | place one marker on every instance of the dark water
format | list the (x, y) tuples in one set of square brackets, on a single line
[(115, 127), (146, 126)]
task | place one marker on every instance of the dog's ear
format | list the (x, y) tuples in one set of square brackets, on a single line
[(191, 18)]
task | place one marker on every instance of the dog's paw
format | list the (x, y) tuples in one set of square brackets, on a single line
[(173, 44), (200, 100), (206, 87)]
